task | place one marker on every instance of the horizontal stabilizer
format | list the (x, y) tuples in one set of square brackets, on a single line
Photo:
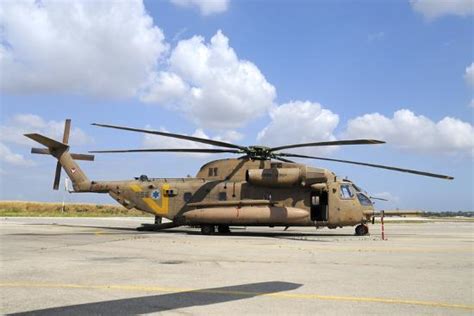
[(82, 157), (46, 141)]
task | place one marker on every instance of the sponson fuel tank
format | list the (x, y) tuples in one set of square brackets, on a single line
[(249, 215)]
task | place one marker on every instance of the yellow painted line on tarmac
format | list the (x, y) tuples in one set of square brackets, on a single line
[(374, 249), (143, 288)]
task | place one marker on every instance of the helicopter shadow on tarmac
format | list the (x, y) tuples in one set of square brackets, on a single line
[(248, 233), (170, 301), (236, 232)]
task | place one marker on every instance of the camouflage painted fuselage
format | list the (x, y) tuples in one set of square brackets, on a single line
[(245, 192)]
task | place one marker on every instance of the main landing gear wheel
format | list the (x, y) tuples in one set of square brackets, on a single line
[(223, 229), (361, 230), (158, 220), (207, 229)]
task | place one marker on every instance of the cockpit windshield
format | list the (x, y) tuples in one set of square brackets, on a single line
[(364, 200)]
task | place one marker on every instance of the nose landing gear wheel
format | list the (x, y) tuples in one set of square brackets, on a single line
[(361, 230), (207, 229)]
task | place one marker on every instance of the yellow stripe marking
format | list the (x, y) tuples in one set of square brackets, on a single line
[(138, 288), (159, 209), (135, 188), (162, 209)]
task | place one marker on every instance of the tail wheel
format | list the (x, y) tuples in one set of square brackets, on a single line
[(207, 229)]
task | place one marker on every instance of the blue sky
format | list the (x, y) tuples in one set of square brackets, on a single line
[(247, 72)]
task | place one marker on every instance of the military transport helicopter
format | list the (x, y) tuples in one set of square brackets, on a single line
[(262, 187)]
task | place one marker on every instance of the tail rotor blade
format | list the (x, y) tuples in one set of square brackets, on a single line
[(57, 176), (67, 130)]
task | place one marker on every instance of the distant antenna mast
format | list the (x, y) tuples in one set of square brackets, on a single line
[(66, 188), (66, 185)]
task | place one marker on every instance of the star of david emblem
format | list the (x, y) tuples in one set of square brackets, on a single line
[(156, 194)]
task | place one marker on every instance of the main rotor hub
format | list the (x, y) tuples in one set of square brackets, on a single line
[(259, 152)]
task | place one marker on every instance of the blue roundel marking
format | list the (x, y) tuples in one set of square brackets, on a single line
[(156, 194)]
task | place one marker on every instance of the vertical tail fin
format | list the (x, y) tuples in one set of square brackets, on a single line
[(60, 150)]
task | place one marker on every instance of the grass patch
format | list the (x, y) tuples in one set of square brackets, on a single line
[(45, 209)]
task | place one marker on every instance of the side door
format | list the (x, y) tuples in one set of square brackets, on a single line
[(319, 206), (344, 203)]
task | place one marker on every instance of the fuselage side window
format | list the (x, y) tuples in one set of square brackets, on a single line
[(346, 192), (212, 172), (222, 196), (187, 196)]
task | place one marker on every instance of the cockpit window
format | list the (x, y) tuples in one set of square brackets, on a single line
[(365, 201), (346, 192)]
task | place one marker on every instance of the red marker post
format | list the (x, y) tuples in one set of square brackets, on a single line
[(381, 220)]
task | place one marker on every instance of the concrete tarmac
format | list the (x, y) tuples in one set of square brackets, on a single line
[(103, 266)]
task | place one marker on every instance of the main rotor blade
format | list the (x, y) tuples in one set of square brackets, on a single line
[(179, 136), (378, 198), (177, 150), (421, 173), (284, 160), (332, 143)]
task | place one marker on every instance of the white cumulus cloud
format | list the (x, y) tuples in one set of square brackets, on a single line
[(299, 122), (13, 129), (114, 49), (210, 84), (432, 9), (413, 132), (206, 7), (7, 156), (99, 48), (469, 75)]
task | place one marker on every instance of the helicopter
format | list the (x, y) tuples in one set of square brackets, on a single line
[(262, 187)]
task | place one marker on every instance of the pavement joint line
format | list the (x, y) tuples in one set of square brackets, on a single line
[(138, 288)]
